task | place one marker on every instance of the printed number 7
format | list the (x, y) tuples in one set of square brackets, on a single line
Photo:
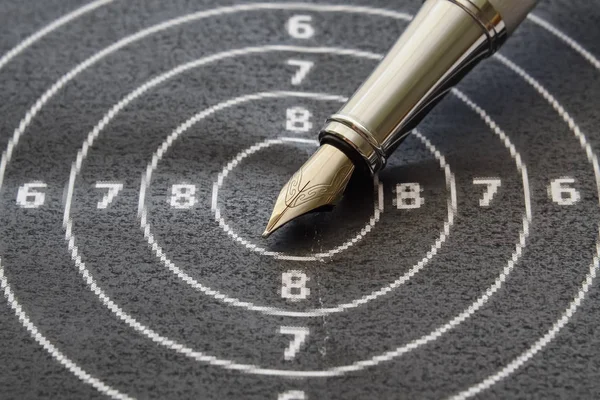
[(113, 190), (300, 334), (303, 69)]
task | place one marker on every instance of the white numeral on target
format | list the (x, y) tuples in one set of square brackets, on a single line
[(298, 119), (303, 69), (293, 285), (561, 193), (183, 196), (113, 190), (408, 196), (300, 334), (492, 186), (292, 395), (29, 195), (299, 27)]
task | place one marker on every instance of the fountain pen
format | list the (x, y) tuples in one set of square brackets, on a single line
[(443, 42)]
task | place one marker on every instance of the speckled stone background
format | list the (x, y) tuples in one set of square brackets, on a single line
[(493, 309)]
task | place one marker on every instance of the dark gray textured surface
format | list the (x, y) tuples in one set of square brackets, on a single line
[(38, 266)]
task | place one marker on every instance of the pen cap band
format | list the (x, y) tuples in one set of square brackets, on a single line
[(513, 12), (488, 18)]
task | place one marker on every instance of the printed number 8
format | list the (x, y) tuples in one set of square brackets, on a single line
[(293, 285), (183, 196)]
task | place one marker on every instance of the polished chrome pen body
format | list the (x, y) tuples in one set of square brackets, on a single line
[(444, 41)]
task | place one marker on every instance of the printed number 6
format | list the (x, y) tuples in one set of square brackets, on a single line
[(292, 395), (29, 195), (299, 27)]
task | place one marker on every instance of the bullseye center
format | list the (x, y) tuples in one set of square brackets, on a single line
[(247, 186)]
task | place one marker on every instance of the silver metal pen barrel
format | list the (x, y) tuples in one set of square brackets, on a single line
[(444, 41)]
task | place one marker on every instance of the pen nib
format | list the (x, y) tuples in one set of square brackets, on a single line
[(320, 182)]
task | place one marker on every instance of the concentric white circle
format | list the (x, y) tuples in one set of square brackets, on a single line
[(317, 312), (252, 368), (255, 369), (9, 295), (6, 156), (157, 156), (377, 209), (543, 341)]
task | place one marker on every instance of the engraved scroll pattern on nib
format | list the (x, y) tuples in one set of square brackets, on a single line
[(299, 192)]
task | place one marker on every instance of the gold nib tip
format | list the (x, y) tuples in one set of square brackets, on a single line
[(268, 230), (321, 181)]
